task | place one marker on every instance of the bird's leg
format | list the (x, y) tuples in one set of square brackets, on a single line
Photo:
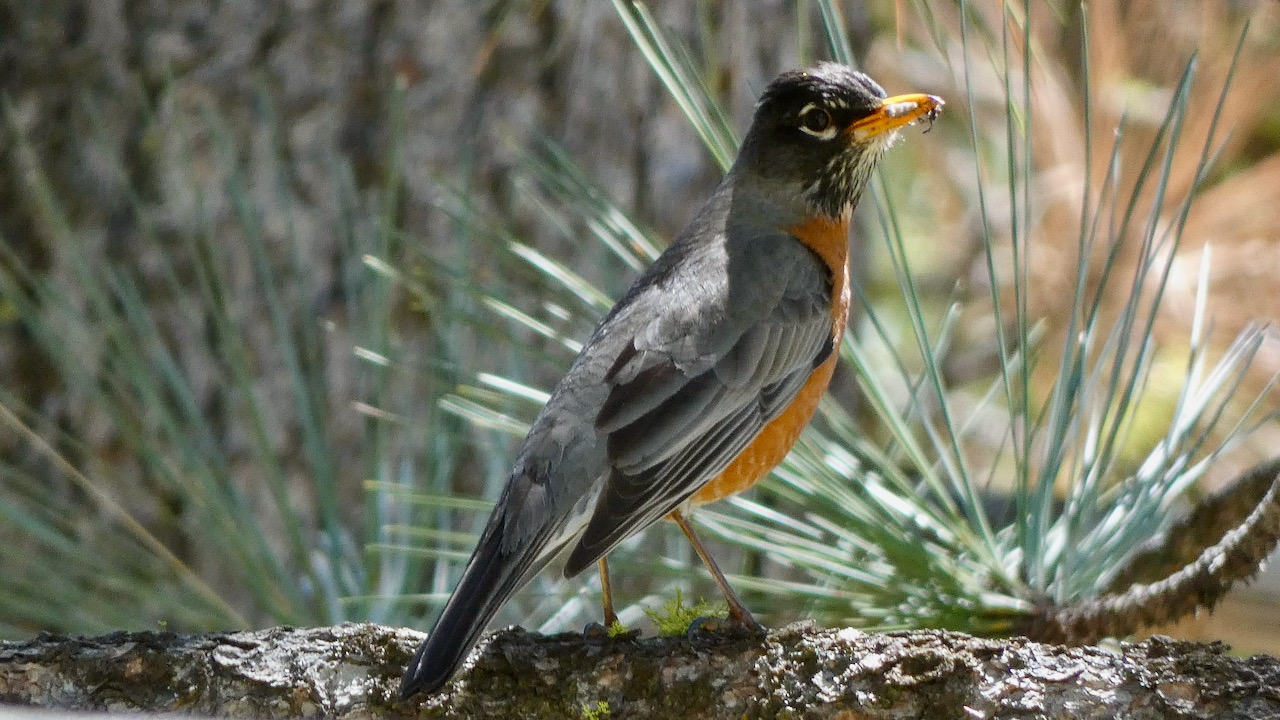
[(738, 612), (606, 594)]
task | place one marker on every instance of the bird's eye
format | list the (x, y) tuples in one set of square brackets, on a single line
[(817, 122)]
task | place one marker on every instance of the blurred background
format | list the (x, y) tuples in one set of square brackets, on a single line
[(282, 281)]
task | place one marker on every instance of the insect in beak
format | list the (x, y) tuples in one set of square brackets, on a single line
[(931, 116)]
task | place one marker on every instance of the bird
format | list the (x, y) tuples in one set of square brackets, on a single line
[(701, 378)]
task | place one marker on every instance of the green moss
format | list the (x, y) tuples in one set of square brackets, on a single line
[(601, 710), (675, 617)]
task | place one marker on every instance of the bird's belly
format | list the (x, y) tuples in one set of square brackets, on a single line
[(774, 441)]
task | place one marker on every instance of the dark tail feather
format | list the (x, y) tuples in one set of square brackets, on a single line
[(491, 577)]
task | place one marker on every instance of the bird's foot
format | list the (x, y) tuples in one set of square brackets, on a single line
[(599, 632), (745, 626)]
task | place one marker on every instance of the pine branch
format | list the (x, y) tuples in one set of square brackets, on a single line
[(1206, 524), (1199, 584)]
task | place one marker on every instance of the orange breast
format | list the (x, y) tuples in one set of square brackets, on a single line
[(830, 240)]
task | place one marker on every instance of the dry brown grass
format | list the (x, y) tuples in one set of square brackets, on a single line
[(1137, 53)]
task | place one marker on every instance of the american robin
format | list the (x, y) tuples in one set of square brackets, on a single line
[(700, 379)]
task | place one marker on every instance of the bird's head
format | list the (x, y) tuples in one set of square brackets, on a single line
[(818, 133)]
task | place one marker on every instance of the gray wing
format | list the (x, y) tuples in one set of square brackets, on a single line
[(689, 393)]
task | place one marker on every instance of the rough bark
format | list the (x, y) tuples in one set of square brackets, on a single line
[(796, 672)]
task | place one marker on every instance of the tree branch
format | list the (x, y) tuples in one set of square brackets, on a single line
[(798, 671)]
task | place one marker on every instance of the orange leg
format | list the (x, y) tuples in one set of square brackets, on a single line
[(738, 612), (606, 594)]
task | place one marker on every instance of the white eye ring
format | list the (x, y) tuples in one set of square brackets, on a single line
[(824, 128)]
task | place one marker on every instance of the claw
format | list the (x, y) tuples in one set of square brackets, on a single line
[(595, 632), (725, 626)]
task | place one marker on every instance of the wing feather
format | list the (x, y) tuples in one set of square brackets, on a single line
[(664, 444)]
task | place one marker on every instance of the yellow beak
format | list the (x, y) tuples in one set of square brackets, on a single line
[(896, 112)]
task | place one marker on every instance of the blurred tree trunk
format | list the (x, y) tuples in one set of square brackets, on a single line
[(137, 114), (94, 86), (799, 671)]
